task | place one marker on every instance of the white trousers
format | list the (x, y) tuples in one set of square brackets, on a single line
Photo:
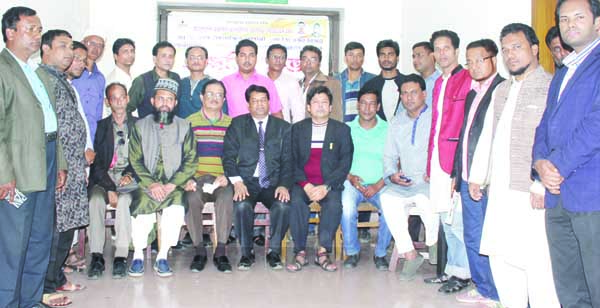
[(171, 220), (396, 210)]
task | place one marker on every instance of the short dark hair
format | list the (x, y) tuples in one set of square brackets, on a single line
[(187, 51), (48, 38), (214, 81), (319, 90), (112, 85), (120, 42), (487, 44), (276, 46), (523, 28), (553, 33), (446, 33), (256, 88), (414, 78), (365, 91), (388, 43), (312, 48), (162, 44), (245, 43), (12, 16), (594, 7), (354, 45), (426, 45), (79, 45)]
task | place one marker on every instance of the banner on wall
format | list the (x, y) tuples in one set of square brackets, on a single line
[(220, 32)]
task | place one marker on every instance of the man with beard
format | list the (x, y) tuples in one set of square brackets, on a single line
[(163, 157), (388, 81)]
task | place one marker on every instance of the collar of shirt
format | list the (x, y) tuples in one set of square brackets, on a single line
[(574, 59), (356, 124), (264, 122), (482, 86), (212, 122)]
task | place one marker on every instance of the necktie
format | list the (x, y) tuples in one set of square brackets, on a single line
[(263, 181)]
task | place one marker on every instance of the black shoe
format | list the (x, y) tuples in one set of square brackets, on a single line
[(207, 242), (259, 240), (274, 260), (96, 266), (198, 263), (436, 279), (154, 246), (381, 263), (179, 246), (454, 285), (230, 240), (351, 261), (246, 262), (222, 264), (119, 268), (187, 240)]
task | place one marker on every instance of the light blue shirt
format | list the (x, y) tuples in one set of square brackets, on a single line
[(40, 92), (429, 84)]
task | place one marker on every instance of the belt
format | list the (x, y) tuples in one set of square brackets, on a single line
[(50, 136)]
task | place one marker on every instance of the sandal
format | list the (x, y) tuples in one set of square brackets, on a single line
[(74, 263), (299, 262), (454, 285), (324, 262), (70, 287), (56, 300)]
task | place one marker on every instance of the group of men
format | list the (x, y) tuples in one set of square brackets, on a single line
[(507, 167)]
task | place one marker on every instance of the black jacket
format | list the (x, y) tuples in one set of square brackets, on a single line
[(240, 150), (336, 158), (475, 131), (104, 145), (376, 83)]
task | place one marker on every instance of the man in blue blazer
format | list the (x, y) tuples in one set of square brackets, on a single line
[(566, 157)]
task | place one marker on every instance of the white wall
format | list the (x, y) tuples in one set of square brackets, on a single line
[(407, 21)]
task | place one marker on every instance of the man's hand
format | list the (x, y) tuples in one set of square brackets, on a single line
[(61, 180), (90, 155), (221, 180), (157, 192), (549, 175), (475, 191), (240, 191), (282, 194), (318, 193), (169, 188), (396, 179), (8, 189), (371, 190), (356, 181), (426, 178), (190, 185), (125, 180), (537, 201), (113, 197)]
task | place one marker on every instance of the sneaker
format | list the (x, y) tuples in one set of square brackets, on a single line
[(473, 296), (96, 266), (381, 263), (246, 262), (351, 261), (119, 268), (274, 261), (162, 268), (198, 263), (409, 271), (137, 268)]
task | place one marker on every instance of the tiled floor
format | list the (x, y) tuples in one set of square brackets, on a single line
[(261, 287)]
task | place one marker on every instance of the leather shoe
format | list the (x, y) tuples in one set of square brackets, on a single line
[(96, 266), (198, 263), (222, 264), (351, 261), (381, 263), (119, 268), (274, 260), (246, 262)]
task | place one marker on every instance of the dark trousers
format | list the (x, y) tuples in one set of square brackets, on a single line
[(574, 242), (223, 202), (442, 251), (61, 245), (473, 216), (414, 227), (244, 217), (25, 240), (329, 218)]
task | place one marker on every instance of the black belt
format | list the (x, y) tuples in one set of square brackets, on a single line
[(50, 136)]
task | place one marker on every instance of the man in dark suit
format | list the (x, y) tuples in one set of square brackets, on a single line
[(257, 160), (322, 149)]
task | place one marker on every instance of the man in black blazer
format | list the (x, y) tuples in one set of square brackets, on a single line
[(322, 150), (257, 160), (109, 175)]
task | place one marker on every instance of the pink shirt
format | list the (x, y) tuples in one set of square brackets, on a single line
[(236, 87), (480, 90)]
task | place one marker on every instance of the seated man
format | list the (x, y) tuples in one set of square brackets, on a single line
[(322, 150), (109, 175), (163, 156), (406, 190), (209, 126), (258, 161), (365, 180)]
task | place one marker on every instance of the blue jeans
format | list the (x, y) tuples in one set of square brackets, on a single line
[(473, 216), (351, 198), (457, 263)]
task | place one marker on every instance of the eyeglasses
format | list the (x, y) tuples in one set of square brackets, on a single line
[(478, 61), (217, 95), (120, 134)]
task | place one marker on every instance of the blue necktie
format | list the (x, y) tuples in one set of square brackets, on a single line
[(263, 181)]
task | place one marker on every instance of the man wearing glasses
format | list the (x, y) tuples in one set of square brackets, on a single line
[(293, 107)]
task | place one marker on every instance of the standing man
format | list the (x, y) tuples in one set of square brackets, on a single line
[(389, 80), (365, 180), (124, 54), (566, 158), (163, 156), (28, 168), (258, 162), (209, 125), (90, 86), (481, 62), (424, 63), (310, 64), (142, 88), (449, 95), (236, 84), (190, 100), (557, 46), (514, 234), (352, 79), (293, 107), (322, 151)]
